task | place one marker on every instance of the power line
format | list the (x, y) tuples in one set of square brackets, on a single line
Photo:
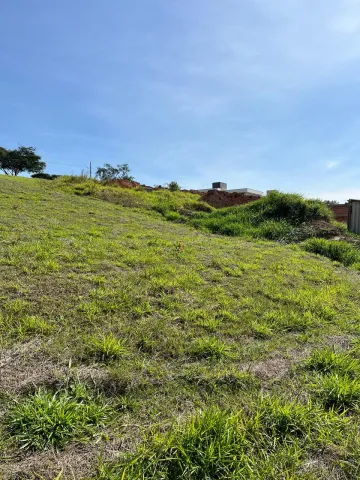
[(66, 165)]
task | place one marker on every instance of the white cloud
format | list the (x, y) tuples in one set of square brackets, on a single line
[(332, 164)]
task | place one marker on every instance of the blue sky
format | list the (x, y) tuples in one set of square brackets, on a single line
[(262, 94)]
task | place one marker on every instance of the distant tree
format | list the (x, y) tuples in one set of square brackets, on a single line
[(3, 152), (331, 202), (45, 176), (22, 159), (173, 186), (109, 172)]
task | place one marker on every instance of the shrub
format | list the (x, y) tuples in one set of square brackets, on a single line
[(273, 230), (278, 216), (339, 251), (111, 172), (293, 208), (173, 186), (45, 176), (48, 419)]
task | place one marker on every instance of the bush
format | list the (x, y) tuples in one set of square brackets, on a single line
[(278, 216), (273, 230), (173, 186), (48, 419), (45, 176), (339, 251), (291, 207)]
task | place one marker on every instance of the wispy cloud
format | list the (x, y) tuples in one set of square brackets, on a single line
[(332, 164)]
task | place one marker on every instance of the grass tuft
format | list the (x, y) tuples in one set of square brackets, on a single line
[(209, 347), (210, 445), (338, 392), (327, 361), (48, 419), (106, 347)]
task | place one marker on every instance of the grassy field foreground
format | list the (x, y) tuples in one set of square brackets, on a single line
[(135, 348)]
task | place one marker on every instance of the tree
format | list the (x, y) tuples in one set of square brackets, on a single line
[(45, 176), (22, 159), (173, 186), (108, 172)]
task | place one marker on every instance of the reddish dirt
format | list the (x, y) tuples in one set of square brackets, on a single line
[(124, 183), (324, 229), (221, 199)]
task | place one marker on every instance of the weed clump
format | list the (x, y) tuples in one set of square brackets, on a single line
[(209, 347), (48, 419), (338, 392), (327, 361), (210, 445), (106, 347)]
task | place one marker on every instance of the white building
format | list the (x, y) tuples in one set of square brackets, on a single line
[(220, 186)]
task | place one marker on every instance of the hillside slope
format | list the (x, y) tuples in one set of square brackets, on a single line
[(115, 324)]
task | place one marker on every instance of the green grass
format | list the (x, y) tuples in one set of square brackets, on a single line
[(328, 361), (169, 203), (339, 251), (105, 347), (209, 347), (339, 392), (191, 347), (48, 419), (271, 439)]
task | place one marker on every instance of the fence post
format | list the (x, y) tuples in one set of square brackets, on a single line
[(354, 216)]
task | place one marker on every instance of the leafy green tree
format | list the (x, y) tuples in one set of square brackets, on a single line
[(109, 172), (173, 186), (22, 159)]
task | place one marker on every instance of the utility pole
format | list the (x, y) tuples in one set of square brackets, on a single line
[(90, 169)]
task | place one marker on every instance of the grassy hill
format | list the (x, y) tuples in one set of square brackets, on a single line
[(136, 348)]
